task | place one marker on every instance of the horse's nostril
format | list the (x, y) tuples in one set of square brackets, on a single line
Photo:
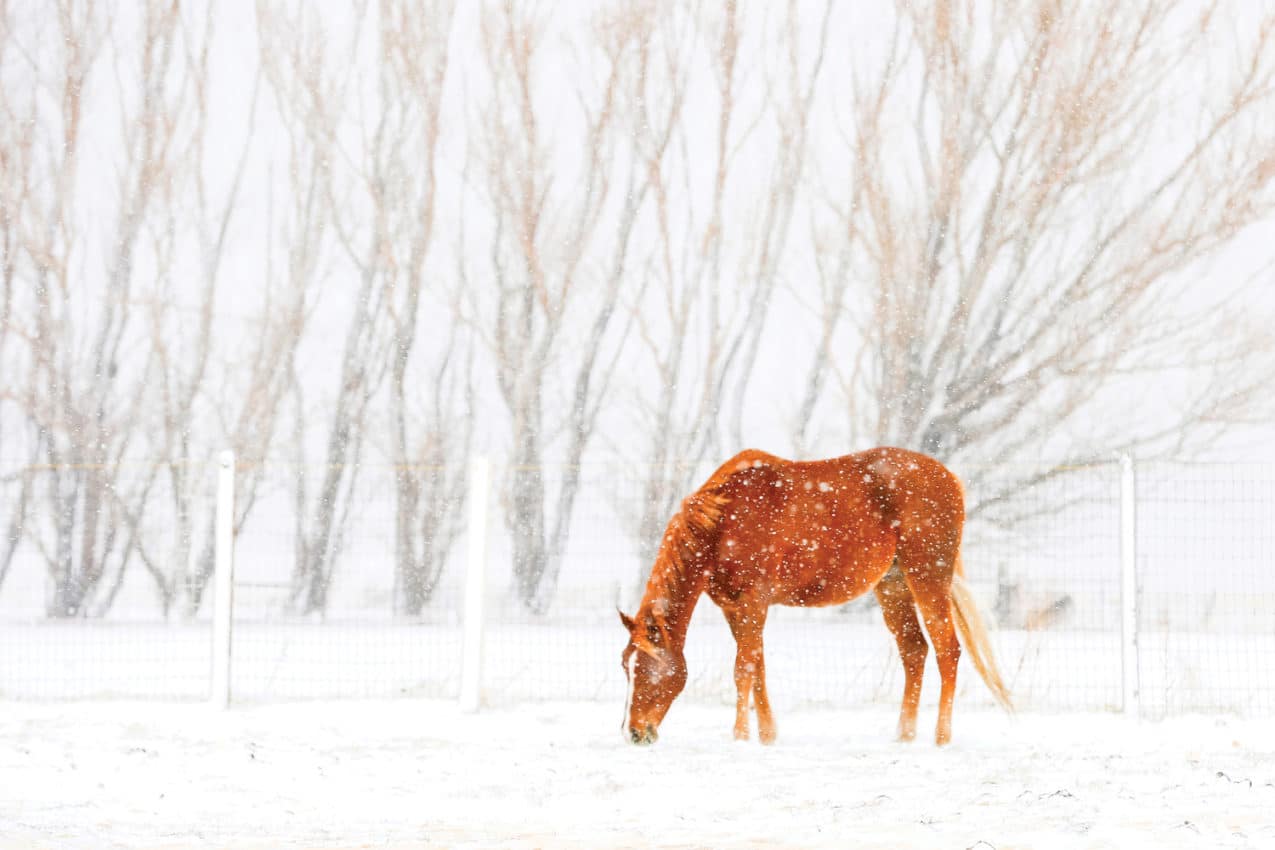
[(645, 736)]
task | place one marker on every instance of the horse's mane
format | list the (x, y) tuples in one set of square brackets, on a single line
[(690, 536), (693, 529)]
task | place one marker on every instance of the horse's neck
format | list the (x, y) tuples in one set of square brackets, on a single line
[(671, 595)]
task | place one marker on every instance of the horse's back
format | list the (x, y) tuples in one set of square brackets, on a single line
[(823, 531), (745, 460), (900, 479), (914, 492)]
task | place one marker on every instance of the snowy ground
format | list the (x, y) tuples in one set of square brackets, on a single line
[(411, 773)]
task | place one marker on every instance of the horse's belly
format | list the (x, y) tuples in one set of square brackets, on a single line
[(831, 581), (816, 595)]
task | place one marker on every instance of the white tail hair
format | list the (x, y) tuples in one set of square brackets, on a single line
[(974, 637)]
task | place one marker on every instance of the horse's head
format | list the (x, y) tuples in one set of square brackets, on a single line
[(656, 673)]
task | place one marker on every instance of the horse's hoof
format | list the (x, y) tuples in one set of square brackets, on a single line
[(741, 735), (767, 737)]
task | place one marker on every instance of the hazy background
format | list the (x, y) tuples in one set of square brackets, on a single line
[(609, 245)]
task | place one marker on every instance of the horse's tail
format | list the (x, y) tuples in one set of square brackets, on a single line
[(974, 637)]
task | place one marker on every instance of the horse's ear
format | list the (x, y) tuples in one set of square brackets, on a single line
[(625, 619)]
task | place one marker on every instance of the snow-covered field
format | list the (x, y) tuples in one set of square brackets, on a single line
[(412, 773)]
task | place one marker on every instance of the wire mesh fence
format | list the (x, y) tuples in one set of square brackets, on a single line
[(1051, 583), (1044, 562), (358, 643), (1206, 566), (98, 562)]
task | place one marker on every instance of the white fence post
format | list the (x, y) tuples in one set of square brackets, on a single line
[(1128, 587), (223, 580), (471, 676)]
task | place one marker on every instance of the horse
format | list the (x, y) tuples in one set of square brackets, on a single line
[(766, 531)]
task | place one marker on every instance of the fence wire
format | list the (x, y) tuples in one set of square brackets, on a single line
[(1044, 563), (1206, 567)]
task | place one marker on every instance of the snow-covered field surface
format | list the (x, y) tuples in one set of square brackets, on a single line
[(413, 773)]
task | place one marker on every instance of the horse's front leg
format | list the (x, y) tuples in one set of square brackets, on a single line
[(743, 689), (765, 720), (746, 625)]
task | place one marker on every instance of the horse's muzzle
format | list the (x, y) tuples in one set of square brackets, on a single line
[(643, 736)]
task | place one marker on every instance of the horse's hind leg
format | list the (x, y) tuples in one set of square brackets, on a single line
[(899, 610), (930, 580)]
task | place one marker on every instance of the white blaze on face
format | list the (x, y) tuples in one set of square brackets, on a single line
[(631, 664)]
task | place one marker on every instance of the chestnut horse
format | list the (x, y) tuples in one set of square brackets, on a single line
[(766, 531)]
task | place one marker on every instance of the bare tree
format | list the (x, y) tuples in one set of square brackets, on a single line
[(703, 320), (667, 329), (1024, 231), (311, 81), (83, 407), (369, 122), (192, 221), (257, 381), (429, 440), (396, 169), (835, 250), (17, 138), (118, 361), (562, 230), (792, 99), (430, 448)]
